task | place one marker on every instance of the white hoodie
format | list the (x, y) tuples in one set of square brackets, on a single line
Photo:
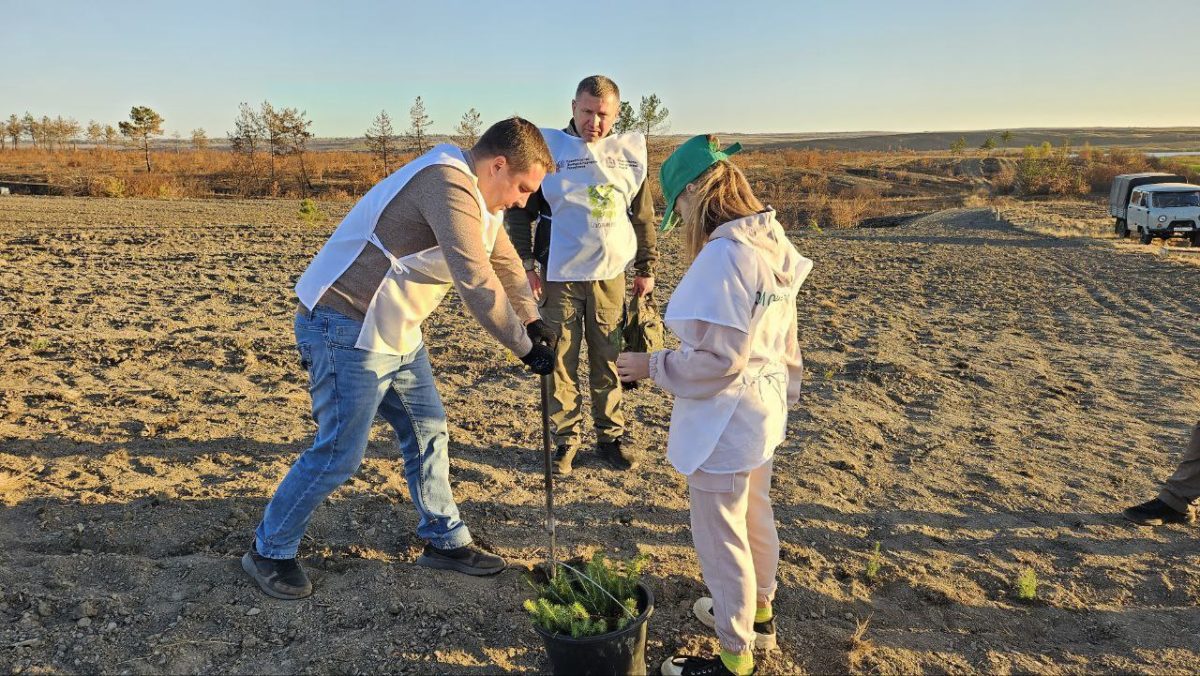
[(738, 367)]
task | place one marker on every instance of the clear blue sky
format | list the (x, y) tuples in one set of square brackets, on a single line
[(740, 66)]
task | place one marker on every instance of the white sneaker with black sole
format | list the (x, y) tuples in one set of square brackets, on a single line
[(764, 632)]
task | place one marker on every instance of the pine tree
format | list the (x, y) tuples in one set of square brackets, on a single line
[(626, 118), (95, 133), (30, 126), (382, 140), (13, 129), (652, 116), (143, 123), (247, 131), (420, 124), (468, 128), (199, 139)]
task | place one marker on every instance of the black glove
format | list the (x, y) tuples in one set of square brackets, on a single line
[(540, 359), (542, 333)]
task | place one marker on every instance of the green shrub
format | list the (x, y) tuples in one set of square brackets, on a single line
[(1047, 170), (874, 563), (596, 600), (310, 213), (1027, 584)]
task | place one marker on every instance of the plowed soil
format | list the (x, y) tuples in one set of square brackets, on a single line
[(981, 399)]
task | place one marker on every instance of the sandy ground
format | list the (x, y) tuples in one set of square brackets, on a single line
[(981, 399)]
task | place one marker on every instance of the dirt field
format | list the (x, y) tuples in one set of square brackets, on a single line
[(981, 399)]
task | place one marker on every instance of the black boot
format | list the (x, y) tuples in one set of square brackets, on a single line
[(281, 578), (467, 559), (616, 455), (1155, 513)]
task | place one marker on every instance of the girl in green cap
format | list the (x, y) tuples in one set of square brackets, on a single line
[(737, 370)]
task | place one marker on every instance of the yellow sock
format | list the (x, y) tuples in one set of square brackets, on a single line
[(763, 614), (740, 664)]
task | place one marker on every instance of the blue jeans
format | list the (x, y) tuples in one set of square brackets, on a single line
[(348, 387)]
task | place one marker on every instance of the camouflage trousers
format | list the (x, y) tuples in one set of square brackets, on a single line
[(591, 313)]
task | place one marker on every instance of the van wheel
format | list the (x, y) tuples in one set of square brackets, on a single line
[(1146, 237), (1122, 228), (1195, 238)]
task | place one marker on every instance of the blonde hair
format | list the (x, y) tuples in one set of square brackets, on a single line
[(722, 194)]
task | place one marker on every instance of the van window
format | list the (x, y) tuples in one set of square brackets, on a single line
[(1136, 200), (1177, 199)]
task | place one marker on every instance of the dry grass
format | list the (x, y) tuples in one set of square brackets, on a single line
[(1004, 181), (1188, 167), (860, 649), (111, 172), (978, 199), (1047, 170), (847, 212), (808, 188), (1058, 218), (1101, 166)]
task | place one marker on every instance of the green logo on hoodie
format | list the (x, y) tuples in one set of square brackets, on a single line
[(765, 299)]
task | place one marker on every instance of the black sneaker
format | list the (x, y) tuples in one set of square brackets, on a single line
[(467, 559), (1155, 513), (686, 665), (563, 457), (614, 454), (764, 632), (281, 578)]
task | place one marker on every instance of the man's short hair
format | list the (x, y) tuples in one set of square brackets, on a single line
[(598, 86), (518, 141)]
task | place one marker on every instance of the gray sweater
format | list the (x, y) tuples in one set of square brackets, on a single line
[(437, 207)]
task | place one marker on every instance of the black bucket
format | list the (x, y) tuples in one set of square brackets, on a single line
[(617, 652)]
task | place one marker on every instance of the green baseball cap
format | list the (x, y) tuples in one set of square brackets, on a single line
[(688, 161)]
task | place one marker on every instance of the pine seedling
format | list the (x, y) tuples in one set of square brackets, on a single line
[(589, 602), (1027, 584), (874, 563), (310, 213)]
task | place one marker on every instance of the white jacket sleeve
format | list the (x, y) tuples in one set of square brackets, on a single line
[(719, 356), (795, 364)]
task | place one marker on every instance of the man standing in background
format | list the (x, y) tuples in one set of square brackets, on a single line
[(576, 236)]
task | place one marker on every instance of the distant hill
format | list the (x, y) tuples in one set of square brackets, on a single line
[(1143, 138), (1146, 139)]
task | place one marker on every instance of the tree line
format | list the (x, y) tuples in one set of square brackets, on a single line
[(50, 133), (276, 133), (266, 139), (386, 143)]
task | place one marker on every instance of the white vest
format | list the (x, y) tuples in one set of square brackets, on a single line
[(402, 301), (589, 195), (739, 428)]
